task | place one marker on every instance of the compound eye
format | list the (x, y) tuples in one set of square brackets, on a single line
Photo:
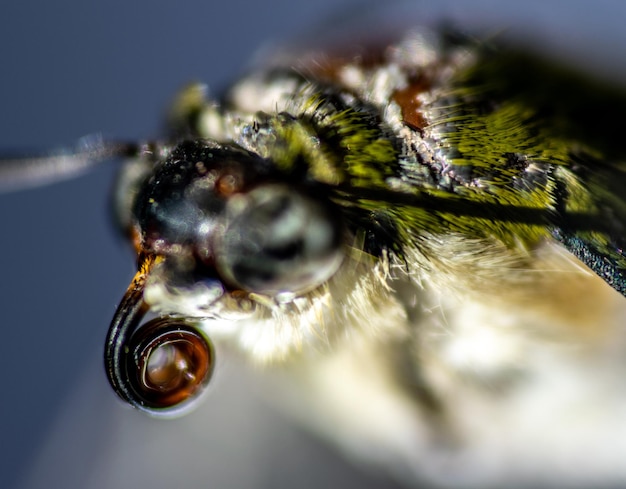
[(277, 240), (169, 366)]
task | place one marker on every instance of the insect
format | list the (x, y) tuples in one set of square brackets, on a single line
[(425, 237)]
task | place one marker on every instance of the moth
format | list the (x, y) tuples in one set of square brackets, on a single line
[(421, 236)]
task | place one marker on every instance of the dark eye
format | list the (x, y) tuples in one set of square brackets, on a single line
[(179, 205), (277, 240)]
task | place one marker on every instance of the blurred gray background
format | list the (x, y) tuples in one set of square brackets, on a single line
[(70, 68)]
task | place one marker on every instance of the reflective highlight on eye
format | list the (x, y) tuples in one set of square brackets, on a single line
[(278, 240)]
